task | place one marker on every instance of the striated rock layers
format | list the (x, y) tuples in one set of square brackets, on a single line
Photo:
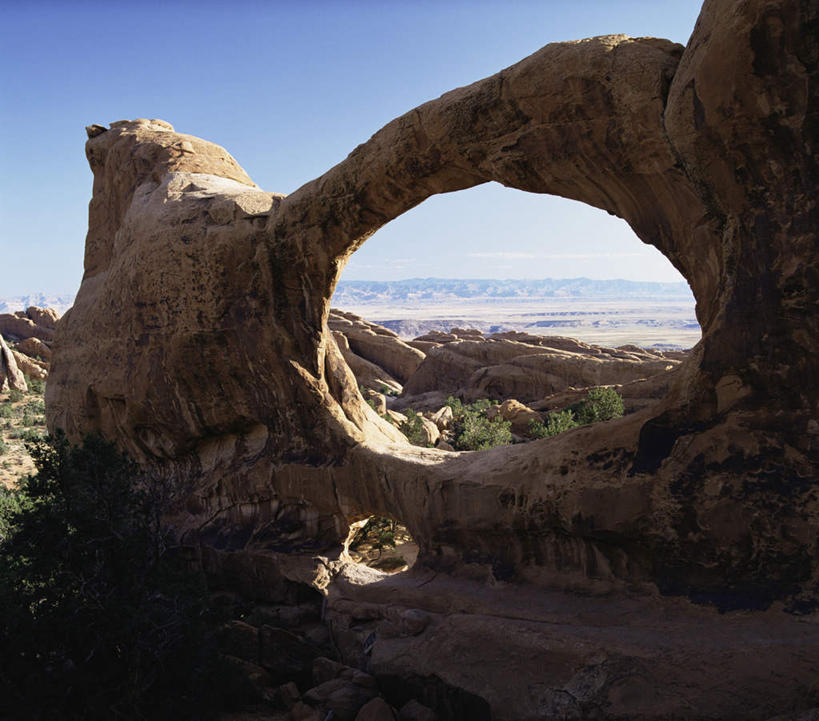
[(199, 341)]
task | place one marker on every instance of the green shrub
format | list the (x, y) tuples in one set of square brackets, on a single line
[(387, 391), (601, 404), (555, 423), (36, 407), (35, 385), (15, 395), (456, 405), (413, 429), (100, 619), (378, 530), (6, 411), (26, 434), (475, 432), (3, 448)]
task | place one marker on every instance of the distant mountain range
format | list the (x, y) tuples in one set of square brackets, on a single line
[(356, 292), (60, 303), (424, 290)]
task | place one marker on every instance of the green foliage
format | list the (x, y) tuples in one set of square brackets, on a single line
[(457, 406), (555, 423), (12, 504), (101, 620), (387, 391), (35, 385), (36, 407), (378, 530), (413, 429), (6, 411), (473, 431), (601, 404), (26, 434), (15, 395), (372, 404), (3, 447)]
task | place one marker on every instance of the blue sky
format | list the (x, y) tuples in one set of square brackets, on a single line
[(290, 88)]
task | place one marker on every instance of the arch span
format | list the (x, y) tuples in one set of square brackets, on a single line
[(199, 334)]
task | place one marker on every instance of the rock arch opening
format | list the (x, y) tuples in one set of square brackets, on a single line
[(433, 354), (383, 543)]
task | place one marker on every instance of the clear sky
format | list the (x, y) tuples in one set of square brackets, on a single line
[(290, 88)]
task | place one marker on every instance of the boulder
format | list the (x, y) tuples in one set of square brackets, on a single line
[(16, 327), (30, 366), (519, 415), (35, 348), (10, 374), (377, 400), (43, 317), (430, 431), (442, 417)]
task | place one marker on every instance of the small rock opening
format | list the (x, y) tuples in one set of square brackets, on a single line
[(382, 543)]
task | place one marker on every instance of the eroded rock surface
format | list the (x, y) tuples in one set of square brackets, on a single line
[(199, 342), (527, 367)]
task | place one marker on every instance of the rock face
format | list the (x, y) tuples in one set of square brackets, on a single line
[(376, 344), (33, 323), (199, 341), (10, 375), (34, 331), (527, 367)]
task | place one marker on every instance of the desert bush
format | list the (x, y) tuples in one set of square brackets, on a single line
[(36, 407), (28, 435), (100, 619), (413, 429), (35, 386), (6, 411), (601, 404), (15, 395), (379, 530), (3, 447), (555, 423), (473, 431)]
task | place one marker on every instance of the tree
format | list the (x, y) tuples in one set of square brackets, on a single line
[(601, 404), (100, 619)]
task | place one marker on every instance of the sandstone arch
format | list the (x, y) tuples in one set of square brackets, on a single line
[(199, 342)]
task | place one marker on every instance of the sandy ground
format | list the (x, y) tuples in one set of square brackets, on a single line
[(18, 417)]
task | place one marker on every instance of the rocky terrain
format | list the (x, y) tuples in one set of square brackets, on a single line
[(611, 312), (662, 565), (24, 364)]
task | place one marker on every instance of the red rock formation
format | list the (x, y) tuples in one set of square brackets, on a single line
[(199, 341)]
